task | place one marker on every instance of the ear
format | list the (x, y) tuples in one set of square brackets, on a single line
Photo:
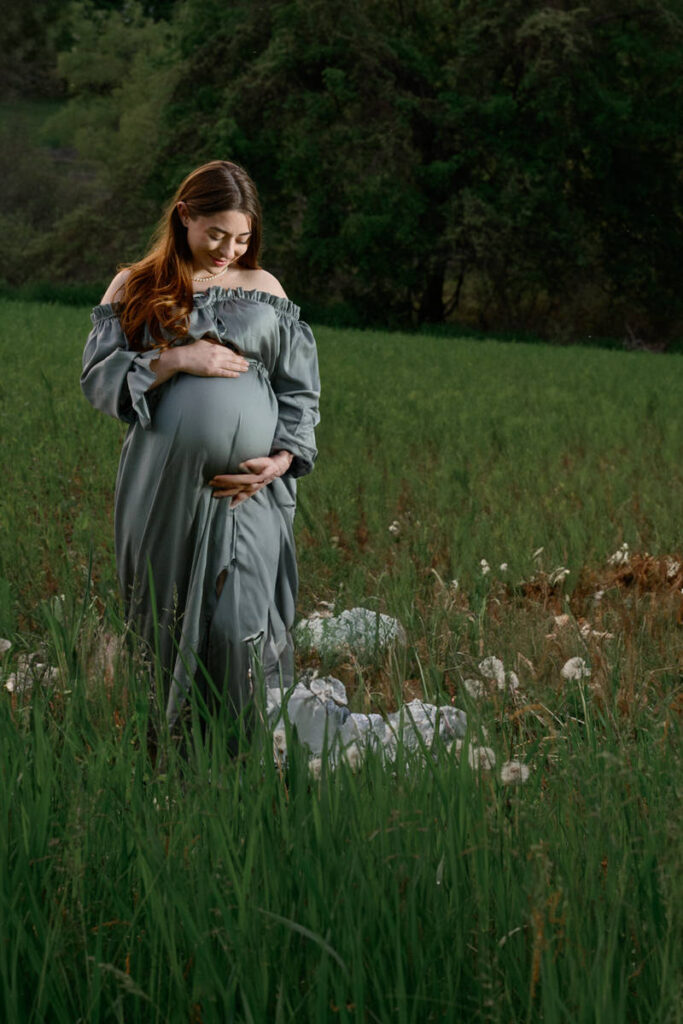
[(183, 213)]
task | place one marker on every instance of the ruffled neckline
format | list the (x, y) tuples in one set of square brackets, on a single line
[(213, 295), (217, 294)]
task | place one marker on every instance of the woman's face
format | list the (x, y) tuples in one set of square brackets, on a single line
[(217, 239)]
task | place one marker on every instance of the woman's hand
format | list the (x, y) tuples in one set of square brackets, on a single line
[(256, 473), (203, 358)]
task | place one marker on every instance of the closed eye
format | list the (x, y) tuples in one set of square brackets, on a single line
[(241, 240)]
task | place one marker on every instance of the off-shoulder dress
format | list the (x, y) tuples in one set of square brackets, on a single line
[(224, 580)]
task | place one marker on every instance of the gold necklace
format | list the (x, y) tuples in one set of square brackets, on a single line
[(210, 277)]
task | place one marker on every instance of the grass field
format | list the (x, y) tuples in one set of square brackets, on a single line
[(218, 889)]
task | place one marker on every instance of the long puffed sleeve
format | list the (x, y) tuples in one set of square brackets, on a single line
[(296, 383), (116, 379)]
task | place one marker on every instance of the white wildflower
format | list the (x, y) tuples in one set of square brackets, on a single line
[(512, 680), (455, 584), (159, 805), (315, 767), (395, 528), (455, 747), (4, 645), (485, 567), (514, 772), (481, 758), (620, 557), (598, 596), (503, 567), (279, 744), (588, 633), (353, 755), (558, 575), (575, 669), (475, 688), (493, 668), (672, 570)]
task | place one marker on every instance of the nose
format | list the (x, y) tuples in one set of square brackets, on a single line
[(228, 251)]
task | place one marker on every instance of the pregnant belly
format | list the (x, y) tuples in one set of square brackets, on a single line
[(215, 423)]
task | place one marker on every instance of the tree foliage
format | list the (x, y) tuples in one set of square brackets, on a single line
[(517, 164)]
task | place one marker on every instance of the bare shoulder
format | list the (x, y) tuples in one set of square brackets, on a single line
[(115, 290), (263, 281)]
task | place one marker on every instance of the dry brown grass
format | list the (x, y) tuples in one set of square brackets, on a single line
[(624, 620)]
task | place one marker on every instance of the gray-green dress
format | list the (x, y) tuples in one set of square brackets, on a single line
[(169, 527)]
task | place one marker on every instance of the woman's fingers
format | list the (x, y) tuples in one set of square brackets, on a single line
[(237, 496), (237, 486), (208, 358), (256, 473), (238, 481), (257, 465)]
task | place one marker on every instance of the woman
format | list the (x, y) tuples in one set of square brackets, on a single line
[(203, 354)]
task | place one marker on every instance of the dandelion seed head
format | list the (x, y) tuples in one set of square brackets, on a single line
[(620, 557), (672, 570), (575, 669), (279, 744), (514, 772), (558, 575), (475, 688), (512, 681), (353, 755), (481, 758), (493, 668), (455, 747)]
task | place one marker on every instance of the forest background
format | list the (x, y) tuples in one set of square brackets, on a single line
[(508, 166)]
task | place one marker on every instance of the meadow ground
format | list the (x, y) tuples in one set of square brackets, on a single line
[(507, 500)]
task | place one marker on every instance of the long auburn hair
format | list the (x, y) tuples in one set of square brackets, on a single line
[(158, 291)]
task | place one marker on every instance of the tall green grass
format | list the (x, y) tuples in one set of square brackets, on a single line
[(185, 884), (224, 890)]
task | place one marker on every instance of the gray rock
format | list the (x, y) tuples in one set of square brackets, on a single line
[(316, 716), (321, 720), (359, 630), (419, 723), (329, 688), (367, 730)]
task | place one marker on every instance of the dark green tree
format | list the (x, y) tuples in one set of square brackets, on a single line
[(520, 160), (514, 164)]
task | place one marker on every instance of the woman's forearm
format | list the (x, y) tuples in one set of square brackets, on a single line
[(165, 367)]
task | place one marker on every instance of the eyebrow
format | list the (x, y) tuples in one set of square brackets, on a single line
[(214, 227)]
